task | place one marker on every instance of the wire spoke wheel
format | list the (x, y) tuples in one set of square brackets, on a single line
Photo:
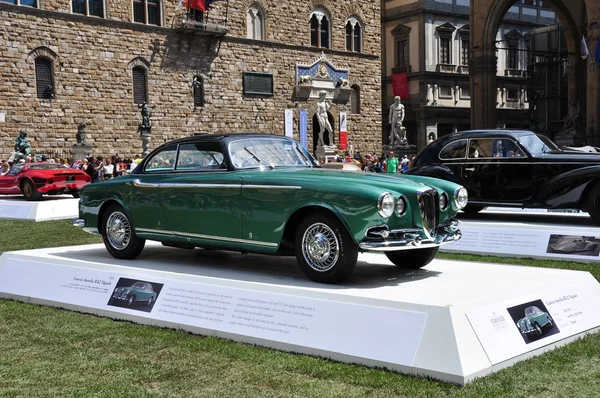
[(320, 247), (118, 230)]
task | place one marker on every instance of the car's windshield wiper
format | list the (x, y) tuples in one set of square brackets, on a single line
[(258, 159)]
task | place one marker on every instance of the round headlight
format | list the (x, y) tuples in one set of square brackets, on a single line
[(401, 206), (443, 201), (385, 204), (461, 197)]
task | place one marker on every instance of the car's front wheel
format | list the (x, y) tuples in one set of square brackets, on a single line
[(593, 203), (130, 301), (324, 249), (29, 191), (412, 258), (118, 235)]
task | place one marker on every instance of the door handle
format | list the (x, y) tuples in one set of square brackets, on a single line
[(469, 168)]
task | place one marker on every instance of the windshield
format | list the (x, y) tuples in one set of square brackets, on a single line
[(139, 285), (269, 152), (47, 166), (532, 310), (537, 144)]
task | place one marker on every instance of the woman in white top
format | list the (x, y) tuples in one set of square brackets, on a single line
[(108, 169)]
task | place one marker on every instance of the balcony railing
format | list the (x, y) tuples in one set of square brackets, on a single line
[(185, 22)]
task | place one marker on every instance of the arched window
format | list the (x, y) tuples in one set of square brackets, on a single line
[(353, 35), (320, 29), (44, 79), (140, 85), (255, 20), (355, 99), (198, 92), (147, 12), (88, 7)]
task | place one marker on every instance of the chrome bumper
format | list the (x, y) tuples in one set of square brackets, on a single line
[(412, 239), (78, 222)]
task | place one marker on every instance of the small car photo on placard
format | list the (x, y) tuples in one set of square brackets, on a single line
[(135, 294), (533, 321), (573, 244)]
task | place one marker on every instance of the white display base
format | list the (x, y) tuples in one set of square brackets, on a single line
[(528, 234), (450, 321), (48, 208)]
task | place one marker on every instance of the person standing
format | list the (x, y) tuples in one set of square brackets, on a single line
[(392, 164)]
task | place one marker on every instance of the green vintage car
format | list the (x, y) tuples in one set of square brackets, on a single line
[(138, 292), (267, 194), (534, 322)]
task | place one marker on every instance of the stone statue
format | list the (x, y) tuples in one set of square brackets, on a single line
[(396, 117), (81, 137), (571, 118), (22, 147), (145, 128), (323, 106)]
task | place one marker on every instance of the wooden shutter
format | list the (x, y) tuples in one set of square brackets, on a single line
[(43, 78), (198, 92), (139, 85)]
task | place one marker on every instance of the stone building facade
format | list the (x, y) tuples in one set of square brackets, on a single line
[(192, 69)]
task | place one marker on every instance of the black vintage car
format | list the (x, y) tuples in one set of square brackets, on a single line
[(514, 168)]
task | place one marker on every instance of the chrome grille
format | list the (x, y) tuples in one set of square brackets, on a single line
[(429, 206)]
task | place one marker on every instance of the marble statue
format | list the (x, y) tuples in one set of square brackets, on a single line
[(396, 117), (323, 105), (81, 136)]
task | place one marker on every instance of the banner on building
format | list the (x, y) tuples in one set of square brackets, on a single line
[(303, 127), (343, 130), (289, 122), (400, 85)]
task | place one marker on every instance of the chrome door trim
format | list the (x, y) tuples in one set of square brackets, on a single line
[(154, 231), (226, 239)]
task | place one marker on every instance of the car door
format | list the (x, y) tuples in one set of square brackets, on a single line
[(8, 181), (144, 203), (202, 199), (496, 171), (453, 156)]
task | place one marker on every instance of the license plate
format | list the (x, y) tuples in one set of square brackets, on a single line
[(70, 179)]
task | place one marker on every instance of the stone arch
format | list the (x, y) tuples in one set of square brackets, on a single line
[(354, 9), (43, 51), (266, 12), (483, 54), (138, 61)]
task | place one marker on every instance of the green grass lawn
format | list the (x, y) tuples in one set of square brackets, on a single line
[(48, 352)]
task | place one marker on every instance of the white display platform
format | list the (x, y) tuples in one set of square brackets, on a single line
[(451, 321), (543, 235), (48, 208)]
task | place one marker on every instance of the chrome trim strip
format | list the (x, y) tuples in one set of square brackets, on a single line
[(138, 183), (154, 231), (445, 235), (272, 186), (226, 239), (195, 185)]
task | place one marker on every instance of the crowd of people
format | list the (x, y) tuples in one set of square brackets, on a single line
[(380, 164), (98, 168)]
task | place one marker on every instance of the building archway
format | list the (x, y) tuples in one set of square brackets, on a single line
[(576, 20)]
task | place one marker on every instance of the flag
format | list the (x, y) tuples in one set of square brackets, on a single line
[(179, 5), (584, 48), (195, 4), (597, 51)]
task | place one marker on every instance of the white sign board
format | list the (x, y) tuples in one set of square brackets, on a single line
[(376, 333), (511, 329), (16, 211), (2, 117), (289, 122)]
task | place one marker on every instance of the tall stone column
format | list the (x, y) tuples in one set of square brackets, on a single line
[(483, 84)]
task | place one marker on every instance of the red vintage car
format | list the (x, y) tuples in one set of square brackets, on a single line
[(36, 179)]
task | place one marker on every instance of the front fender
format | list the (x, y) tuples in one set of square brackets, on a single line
[(568, 188), (436, 170)]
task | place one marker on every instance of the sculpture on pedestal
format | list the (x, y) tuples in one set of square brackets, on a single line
[(323, 105), (145, 128), (22, 147), (396, 117), (81, 136)]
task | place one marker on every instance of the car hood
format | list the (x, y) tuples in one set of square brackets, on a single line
[(340, 178)]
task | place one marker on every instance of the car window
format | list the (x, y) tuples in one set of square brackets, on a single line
[(454, 150), (493, 148), (162, 161), (200, 156), (139, 285), (15, 170)]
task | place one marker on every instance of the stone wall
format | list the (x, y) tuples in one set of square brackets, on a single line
[(93, 58)]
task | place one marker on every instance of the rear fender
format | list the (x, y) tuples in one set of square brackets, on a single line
[(436, 170), (569, 188)]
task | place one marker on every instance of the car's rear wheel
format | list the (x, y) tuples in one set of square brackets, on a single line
[(130, 301), (29, 191), (76, 194), (118, 234), (413, 258), (538, 329), (324, 249), (473, 209), (593, 203)]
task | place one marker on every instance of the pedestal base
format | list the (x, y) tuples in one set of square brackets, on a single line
[(48, 208), (453, 321), (81, 151)]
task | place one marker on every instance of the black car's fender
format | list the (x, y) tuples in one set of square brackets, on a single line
[(569, 188), (436, 170)]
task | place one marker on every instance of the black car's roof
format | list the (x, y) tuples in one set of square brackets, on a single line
[(484, 132), (221, 137)]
